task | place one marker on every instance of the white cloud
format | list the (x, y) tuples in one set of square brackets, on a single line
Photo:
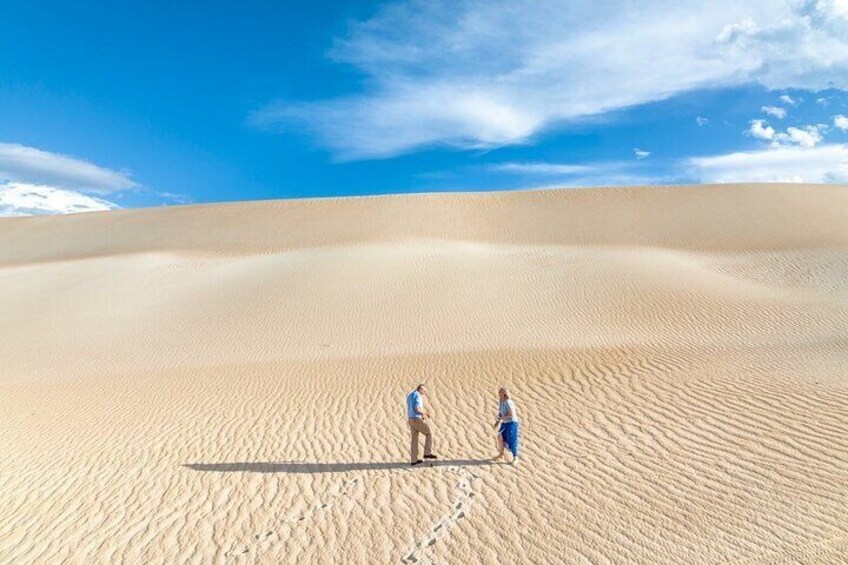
[(841, 122), (484, 73), (604, 179), (600, 173), (175, 197), (775, 111), (30, 165), (542, 168), (826, 163), (640, 153), (22, 199), (761, 130), (34, 181), (805, 136), (838, 7), (786, 99), (702, 121), (822, 102)]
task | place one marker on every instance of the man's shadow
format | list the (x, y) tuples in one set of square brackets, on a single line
[(300, 467)]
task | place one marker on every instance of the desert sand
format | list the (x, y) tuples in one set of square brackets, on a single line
[(226, 383)]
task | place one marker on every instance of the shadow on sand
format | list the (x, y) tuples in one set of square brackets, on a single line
[(294, 467)]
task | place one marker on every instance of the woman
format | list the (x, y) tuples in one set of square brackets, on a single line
[(508, 422)]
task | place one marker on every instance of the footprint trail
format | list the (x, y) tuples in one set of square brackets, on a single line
[(266, 535), (417, 553)]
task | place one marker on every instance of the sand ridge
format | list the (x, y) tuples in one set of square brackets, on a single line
[(225, 383)]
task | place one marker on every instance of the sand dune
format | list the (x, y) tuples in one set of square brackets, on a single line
[(225, 383)]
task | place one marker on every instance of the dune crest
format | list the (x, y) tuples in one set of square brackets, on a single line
[(225, 383)]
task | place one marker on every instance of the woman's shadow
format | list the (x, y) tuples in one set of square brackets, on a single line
[(297, 467)]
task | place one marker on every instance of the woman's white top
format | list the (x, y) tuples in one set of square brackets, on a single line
[(505, 407)]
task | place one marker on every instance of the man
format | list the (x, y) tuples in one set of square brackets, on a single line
[(416, 414)]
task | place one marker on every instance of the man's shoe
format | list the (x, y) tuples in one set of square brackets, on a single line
[(417, 462), (431, 456)]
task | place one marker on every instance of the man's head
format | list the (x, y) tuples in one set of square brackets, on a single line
[(421, 388)]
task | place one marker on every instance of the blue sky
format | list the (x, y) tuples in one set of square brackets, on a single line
[(106, 105)]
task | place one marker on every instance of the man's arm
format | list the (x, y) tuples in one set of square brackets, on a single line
[(419, 407)]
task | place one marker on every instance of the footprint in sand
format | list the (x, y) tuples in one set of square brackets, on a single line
[(463, 500), (237, 552), (343, 488), (264, 536)]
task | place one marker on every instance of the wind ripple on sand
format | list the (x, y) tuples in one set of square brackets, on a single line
[(226, 384)]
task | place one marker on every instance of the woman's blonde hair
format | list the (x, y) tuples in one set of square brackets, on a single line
[(504, 391)]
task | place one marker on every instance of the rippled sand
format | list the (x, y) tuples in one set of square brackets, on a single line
[(210, 384)]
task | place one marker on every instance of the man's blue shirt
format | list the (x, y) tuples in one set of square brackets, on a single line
[(413, 401)]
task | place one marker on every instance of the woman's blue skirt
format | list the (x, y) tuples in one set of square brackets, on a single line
[(509, 433)]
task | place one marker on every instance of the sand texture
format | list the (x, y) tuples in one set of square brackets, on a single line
[(226, 383)]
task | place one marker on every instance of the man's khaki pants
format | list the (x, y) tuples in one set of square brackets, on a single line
[(420, 427)]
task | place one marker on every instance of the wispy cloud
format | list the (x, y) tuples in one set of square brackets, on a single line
[(484, 73), (542, 168), (841, 122), (175, 197), (701, 121), (543, 174), (34, 181), (826, 163), (640, 153), (602, 180), (30, 165), (775, 111)]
